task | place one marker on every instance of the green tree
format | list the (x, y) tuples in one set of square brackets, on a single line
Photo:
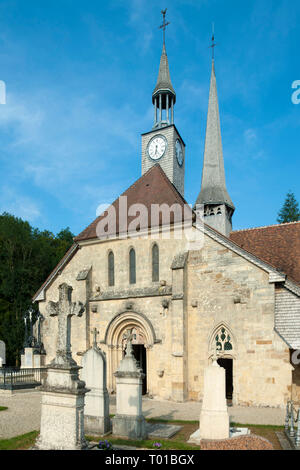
[(27, 256), (290, 210)]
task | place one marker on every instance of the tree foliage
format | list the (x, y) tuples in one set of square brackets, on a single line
[(27, 256), (290, 210)]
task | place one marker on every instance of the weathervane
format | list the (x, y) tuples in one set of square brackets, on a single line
[(165, 24), (213, 43)]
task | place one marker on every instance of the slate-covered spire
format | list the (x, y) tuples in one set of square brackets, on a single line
[(164, 83), (163, 96), (213, 194)]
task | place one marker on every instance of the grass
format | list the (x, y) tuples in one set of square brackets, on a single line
[(178, 442), (3, 408), (23, 442), (273, 427)]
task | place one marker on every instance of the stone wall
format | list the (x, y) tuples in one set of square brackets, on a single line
[(100, 313), (178, 316), (224, 288)]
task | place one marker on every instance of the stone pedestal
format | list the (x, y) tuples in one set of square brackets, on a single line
[(214, 418), (96, 411), (129, 420), (62, 418), (32, 360)]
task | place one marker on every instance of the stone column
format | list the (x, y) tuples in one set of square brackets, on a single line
[(160, 107), (62, 418), (179, 333), (129, 420), (96, 412), (167, 107), (214, 418)]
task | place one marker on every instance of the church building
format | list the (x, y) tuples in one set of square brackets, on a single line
[(234, 291)]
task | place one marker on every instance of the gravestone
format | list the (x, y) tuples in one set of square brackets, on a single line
[(2, 353), (62, 418), (214, 418), (129, 420), (96, 410), (33, 356)]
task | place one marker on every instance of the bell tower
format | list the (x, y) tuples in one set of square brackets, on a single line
[(163, 144)]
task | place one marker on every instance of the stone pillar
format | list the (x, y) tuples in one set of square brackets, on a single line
[(2, 353), (129, 420), (62, 418), (27, 359), (96, 411), (160, 108), (167, 107), (179, 331), (31, 359), (214, 418)]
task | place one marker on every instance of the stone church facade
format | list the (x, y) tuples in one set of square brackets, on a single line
[(238, 292)]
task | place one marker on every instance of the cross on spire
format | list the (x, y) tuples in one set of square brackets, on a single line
[(165, 24), (213, 43)]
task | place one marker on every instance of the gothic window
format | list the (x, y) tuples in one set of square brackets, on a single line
[(223, 340), (132, 267), (111, 269), (155, 263), (212, 212)]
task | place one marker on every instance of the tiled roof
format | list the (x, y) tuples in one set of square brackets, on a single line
[(153, 187), (278, 245)]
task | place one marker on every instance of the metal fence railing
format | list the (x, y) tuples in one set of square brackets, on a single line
[(292, 424), (12, 378)]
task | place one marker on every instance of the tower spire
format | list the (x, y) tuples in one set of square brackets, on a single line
[(218, 207), (163, 96)]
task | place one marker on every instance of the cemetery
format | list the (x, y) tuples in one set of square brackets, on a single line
[(76, 409), (170, 319)]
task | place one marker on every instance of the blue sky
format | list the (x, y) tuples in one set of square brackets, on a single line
[(79, 78)]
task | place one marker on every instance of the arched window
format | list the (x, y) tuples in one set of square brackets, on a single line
[(155, 263), (111, 269), (132, 267), (222, 340)]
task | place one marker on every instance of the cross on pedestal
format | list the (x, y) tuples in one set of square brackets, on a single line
[(65, 309), (95, 334), (129, 336), (216, 354)]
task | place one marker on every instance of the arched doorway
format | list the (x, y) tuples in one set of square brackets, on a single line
[(222, 341), (144, 339)]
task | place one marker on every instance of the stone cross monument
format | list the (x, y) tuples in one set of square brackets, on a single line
[(62, 418), (64, 309), (96, 411), (129, 420)]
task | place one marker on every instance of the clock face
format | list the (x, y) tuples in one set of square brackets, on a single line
[(179, 152), (157, 147)]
